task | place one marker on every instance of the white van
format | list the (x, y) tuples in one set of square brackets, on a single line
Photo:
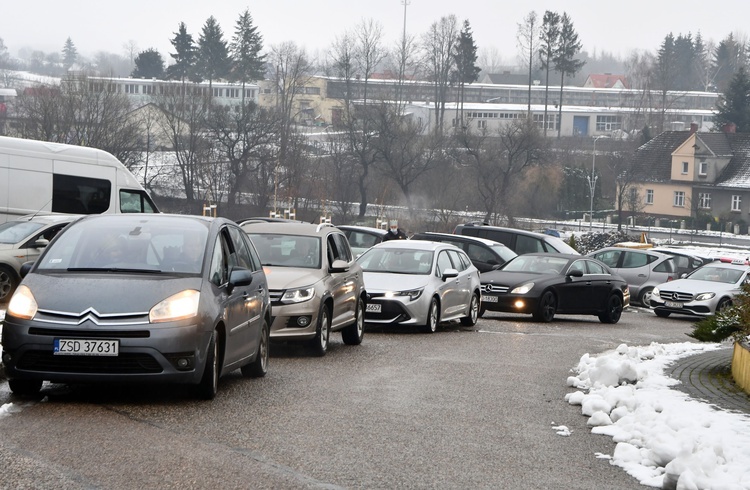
[(37, 176)]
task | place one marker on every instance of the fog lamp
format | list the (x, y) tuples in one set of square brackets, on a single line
[(303, 321), (519, 304), (182, 363)]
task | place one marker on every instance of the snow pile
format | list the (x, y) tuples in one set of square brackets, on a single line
[(664, 438)]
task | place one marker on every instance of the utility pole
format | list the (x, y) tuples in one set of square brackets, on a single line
[(402, 61)]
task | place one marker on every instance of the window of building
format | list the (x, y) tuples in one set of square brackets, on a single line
[(679, 198), (551, 121), (608, 123), (704, 200), (684, 168), (703, 169), (649, 196), (736, 203), (482, 124)]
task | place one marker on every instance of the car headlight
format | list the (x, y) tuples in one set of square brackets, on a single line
[(655, 292), (177, 307), (412, 294), (298, 295), (22, 304), (523, 288), (704, 296)]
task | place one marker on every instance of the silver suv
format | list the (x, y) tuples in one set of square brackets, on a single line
[(23, 240), (316, 287)]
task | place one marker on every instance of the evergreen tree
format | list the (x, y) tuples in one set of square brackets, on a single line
[(465, 59), (564, 58), (213, 54), (728, 57), (70, 53), (184, 57), (549, 39), (148, 64), (684, 63), (247, 64), (734, 104)]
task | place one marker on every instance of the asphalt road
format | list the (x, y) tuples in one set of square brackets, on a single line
[(462, 408)]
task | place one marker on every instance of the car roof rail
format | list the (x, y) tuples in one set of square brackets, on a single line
[(320, 226)]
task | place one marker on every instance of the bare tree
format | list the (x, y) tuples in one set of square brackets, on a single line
[(528, 32), (439, 44)]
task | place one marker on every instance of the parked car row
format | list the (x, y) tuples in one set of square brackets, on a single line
[(188, 299)]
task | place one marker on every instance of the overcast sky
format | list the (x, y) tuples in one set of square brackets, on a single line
[(615, 27)]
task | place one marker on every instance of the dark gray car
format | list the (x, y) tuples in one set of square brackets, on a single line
[(140, 298)]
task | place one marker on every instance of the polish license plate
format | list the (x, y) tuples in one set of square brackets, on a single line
[(672, 304), (86, 347), (489, 299), (374, 307)]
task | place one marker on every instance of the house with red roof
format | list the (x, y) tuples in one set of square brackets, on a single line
[(606, 80)]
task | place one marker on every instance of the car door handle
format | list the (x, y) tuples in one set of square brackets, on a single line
[(588, 283), (642, 275)]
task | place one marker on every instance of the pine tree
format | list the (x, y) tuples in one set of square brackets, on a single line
[(70, 53), (734, 104), (728, 57), (564, 58), (213, 54), (247, 64), (148, 64), (465, 59), (184, 57)]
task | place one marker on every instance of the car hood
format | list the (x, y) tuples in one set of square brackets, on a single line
[(697, 286), (379, 281), (291, 277), (106, 293), (7, 246)]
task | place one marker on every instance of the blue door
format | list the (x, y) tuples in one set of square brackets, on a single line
[(580, 125)]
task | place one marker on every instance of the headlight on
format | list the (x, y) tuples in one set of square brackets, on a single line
[(177, 307), (523, 288), (298, 295), (22, 304), (704, 296), (412, 294)]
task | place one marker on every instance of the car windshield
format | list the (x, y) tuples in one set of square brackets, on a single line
[(288, 250), (540, 264), (504, 252), (132, 245), (15, 231), (396, 261), (717, 274)]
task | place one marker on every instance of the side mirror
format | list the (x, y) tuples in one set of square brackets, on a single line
[(575, 273), (41, 243), (339, 266), (25, 268), (449, 274), (239, 277)]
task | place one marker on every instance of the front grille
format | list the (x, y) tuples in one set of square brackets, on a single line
[(676, 296), (494, 288), (276, 295), (125, 363), (93, 316), (90, 334), (388, 311)]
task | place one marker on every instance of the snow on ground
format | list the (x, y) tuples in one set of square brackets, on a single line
[(665, 439)]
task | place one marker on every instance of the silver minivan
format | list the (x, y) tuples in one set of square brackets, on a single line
[(642, 269)]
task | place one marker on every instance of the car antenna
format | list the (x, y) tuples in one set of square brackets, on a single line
[(40, 209)]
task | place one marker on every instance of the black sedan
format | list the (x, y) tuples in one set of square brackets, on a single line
[(134, 298), (545, 284)]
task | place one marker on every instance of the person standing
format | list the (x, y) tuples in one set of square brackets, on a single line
[(394, 233)]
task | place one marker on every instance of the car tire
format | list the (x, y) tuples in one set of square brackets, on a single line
[(471, 319), (433, 317), (208, 386), (613, 310), (318, 346), (259, 367), (723, 303), (482, 311), (8, 283), (25, 387), (662, 313), (545, 310), (354, 333), (644, 297)]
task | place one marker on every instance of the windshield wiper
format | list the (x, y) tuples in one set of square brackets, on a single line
[(113, 269)]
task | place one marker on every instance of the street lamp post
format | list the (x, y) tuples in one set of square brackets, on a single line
[(592, 183)]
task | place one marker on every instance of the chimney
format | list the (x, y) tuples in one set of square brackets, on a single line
[(693, 127), (729, 128)]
